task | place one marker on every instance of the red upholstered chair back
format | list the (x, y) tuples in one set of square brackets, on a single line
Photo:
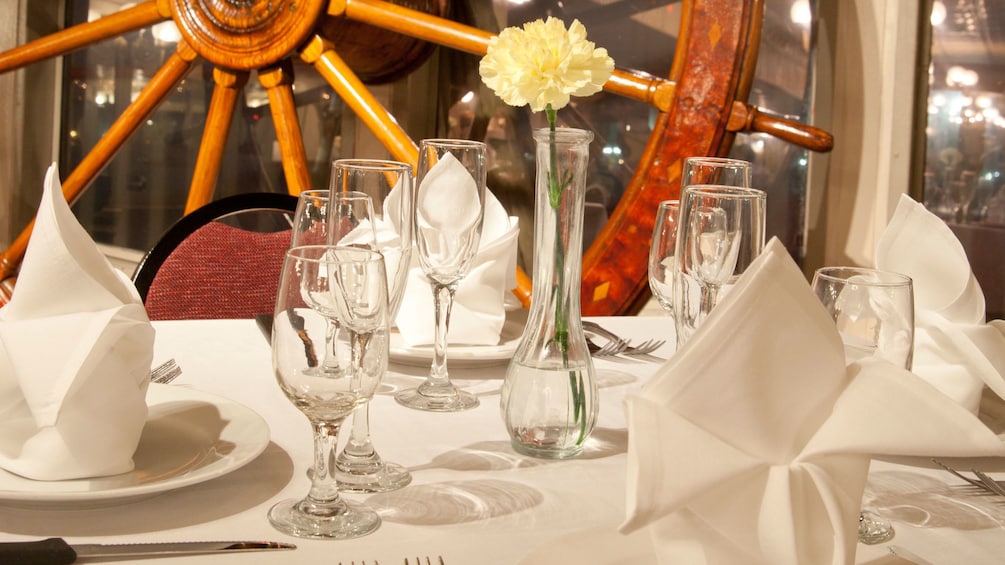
[(203, 268), (219, 272)]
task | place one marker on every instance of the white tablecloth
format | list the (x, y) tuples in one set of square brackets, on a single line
[(473, 500)]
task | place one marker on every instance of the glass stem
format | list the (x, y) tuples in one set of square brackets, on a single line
[(330, 363), (709, 296), (359, 445), (443, 297), (323, 497)]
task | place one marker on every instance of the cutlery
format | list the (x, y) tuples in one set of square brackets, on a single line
[(428, 561), (56, 551), (617, 345), (983, 482), (165, 372)]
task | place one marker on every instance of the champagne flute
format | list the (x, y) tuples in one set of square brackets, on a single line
[(721, 233), (359, 468), (320, 283), (313, 225), (662, 253), (449, 211), (874, 313)]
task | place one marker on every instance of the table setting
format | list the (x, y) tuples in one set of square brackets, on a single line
[(760, 418)]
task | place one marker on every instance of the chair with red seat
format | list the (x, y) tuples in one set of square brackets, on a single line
[(221, 261)]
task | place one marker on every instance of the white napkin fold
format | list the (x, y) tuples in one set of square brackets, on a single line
[(752, 443), (953, 348), (75, 353), (478, 311)]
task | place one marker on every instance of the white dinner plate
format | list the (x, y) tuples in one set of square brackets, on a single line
[(464, 356), (189, 437)]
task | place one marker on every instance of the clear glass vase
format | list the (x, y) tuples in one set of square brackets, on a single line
[(549, 396)]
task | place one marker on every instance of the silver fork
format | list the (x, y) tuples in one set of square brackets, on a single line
[(644, 348), (610, 348), (428, 561), (984, 482), (165, 372)]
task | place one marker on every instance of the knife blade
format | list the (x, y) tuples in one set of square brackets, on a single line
[(56, 551)]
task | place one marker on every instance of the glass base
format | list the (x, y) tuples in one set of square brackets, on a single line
[(456, 401), (542, 452), (387, 477), (303, 519), (872, 529)]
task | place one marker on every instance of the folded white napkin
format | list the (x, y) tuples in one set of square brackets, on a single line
[(953, 348), (478, 312), (75, 353), (752, 443)]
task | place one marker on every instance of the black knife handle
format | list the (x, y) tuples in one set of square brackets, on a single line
[(52, 551)]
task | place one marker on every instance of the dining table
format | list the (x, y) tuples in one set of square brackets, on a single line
[(472, 499)]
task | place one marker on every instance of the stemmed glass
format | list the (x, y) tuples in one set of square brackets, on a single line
[(721, 233), (662, 250), (450, 208), (720, 171), (318, 284), (874, 313), (359, 468), (312, 225)]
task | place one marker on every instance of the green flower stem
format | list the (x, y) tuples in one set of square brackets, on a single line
[(556, 186)]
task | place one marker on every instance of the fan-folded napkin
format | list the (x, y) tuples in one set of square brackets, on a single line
[(953, 348), (75, 353), (478, 312), (752, 443)]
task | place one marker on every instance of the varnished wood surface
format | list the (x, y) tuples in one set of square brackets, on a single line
[(226, 92)]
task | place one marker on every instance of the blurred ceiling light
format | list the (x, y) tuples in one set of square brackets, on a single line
[(938, 13), (960, 76), (800, 12)]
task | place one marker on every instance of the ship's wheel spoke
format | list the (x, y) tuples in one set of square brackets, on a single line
[(320, 53), (82, 35), (226, 92), (278, 83), (173, 70)]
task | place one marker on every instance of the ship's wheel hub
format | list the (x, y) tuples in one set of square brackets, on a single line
[(245, 34)]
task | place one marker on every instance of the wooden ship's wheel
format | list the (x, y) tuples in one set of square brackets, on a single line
[(701, 104)]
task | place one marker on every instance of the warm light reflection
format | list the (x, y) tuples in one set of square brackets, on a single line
[(938, 13), (800, 13)]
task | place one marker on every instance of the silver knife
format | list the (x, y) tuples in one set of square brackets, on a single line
[(55, 551)]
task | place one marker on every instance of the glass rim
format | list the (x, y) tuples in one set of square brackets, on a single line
[(668, 203), (448, 142), (722, 189), (881, 278), (302, 253), (370, 164), (707, 160)]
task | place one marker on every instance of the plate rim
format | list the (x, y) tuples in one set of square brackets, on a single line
[(255, 438)]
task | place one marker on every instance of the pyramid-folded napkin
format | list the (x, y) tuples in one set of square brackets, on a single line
[(75, 353), (478, 312), (752, 443), (953, 348)]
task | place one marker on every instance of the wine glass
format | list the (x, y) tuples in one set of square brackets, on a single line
[(388, 184), (874, 313), (720, 171), (662, 250), (320, 283), (449, 210), (313, 225), (721, 232)]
